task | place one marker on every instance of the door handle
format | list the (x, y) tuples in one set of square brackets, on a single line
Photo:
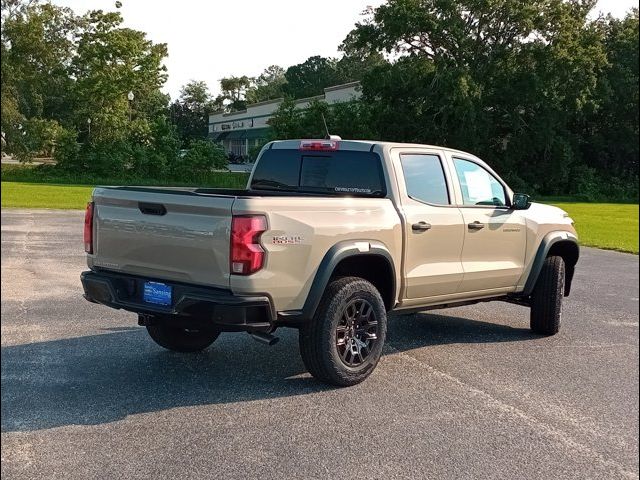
[(421, 227), (476, 225)]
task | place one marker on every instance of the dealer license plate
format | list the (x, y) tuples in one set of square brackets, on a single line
[(158, 293)]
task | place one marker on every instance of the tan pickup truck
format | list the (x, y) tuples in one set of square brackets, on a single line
[(328, 237)]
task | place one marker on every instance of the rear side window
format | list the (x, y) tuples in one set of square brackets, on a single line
[(333, 173), (424, 177)]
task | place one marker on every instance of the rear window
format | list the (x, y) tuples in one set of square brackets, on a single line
[(334, 173)]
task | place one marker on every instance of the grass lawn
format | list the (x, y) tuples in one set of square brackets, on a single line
[(613, 226), (39, 195)]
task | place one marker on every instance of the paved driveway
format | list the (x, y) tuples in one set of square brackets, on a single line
[(460, 393)]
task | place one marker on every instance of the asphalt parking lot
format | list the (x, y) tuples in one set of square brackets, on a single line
[(460, 393)]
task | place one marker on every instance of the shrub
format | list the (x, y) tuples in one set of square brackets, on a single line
[(146, 162), (202, 157), (67, 152), (37, 137), (586, 184), (110, 158), (591, 186)]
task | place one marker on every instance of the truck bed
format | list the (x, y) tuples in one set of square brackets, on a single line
[(183, 235)]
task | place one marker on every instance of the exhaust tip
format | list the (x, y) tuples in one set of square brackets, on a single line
[(265, 338)]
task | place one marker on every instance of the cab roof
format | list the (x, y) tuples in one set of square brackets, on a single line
[(361, 145)]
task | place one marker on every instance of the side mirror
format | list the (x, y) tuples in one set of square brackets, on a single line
[(521, 201)]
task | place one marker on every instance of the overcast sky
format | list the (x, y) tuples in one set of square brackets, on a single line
[(209, 40)]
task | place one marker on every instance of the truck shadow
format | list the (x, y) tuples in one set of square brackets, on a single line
[(106, 377)]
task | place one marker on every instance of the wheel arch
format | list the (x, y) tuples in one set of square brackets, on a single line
[(366, 259), (562, 244)]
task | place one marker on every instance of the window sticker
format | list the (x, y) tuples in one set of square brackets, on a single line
[(478, 185)]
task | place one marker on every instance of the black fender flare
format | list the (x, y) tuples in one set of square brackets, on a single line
[(337, 253), (549, 240)]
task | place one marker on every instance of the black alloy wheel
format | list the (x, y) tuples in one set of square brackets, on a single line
[(357, 332)]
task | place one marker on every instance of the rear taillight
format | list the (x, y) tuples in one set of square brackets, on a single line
[(88, 228), (247, 256)]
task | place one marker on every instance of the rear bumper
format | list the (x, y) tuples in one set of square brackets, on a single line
[(191, 305)]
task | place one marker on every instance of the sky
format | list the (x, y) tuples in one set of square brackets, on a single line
[(209, 39)]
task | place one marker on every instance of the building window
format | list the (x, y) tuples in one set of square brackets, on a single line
[(238, 146)]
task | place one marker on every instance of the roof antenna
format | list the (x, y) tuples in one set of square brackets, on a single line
[(326, 129)]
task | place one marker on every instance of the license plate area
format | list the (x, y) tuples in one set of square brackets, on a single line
[(157, 293)]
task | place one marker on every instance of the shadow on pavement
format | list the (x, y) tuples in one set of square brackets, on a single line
[(426, 329), (103, 378)]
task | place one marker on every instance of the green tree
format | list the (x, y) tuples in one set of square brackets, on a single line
[(511, 81), (349, 120), (611, 130), (309, 78), (268, 85), (285, 122), (357, 61), (37, 47), (201, 159), (234, 91), (110, 62), (190, 112), (36, 50)]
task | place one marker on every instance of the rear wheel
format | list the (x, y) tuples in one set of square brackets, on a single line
[(546, 299), (182, 339), (342, 344)]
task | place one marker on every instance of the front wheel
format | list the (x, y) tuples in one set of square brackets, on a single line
[(182, 339), (546, 299), (342, 344)]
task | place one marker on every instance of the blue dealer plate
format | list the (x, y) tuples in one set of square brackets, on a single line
[(158, 293)]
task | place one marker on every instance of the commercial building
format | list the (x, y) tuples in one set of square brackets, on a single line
[(240, 131)]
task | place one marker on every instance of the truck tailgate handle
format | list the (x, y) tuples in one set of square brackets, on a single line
[(421, 227), (152, 208)]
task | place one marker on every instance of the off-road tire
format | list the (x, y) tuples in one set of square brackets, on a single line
[(546, 299), (318, 338), (180, 339)]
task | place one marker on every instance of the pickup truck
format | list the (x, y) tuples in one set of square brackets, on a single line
[(328, 237)]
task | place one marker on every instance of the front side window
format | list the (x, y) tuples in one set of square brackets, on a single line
[(424, 177), (478, 186)]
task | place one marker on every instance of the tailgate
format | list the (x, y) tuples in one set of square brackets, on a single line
[(180, 236)]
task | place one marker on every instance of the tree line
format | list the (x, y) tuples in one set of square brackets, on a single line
[(540, 89), (543, 90)]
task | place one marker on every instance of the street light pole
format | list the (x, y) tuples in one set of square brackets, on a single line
[(130, 97), (89, 132)]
